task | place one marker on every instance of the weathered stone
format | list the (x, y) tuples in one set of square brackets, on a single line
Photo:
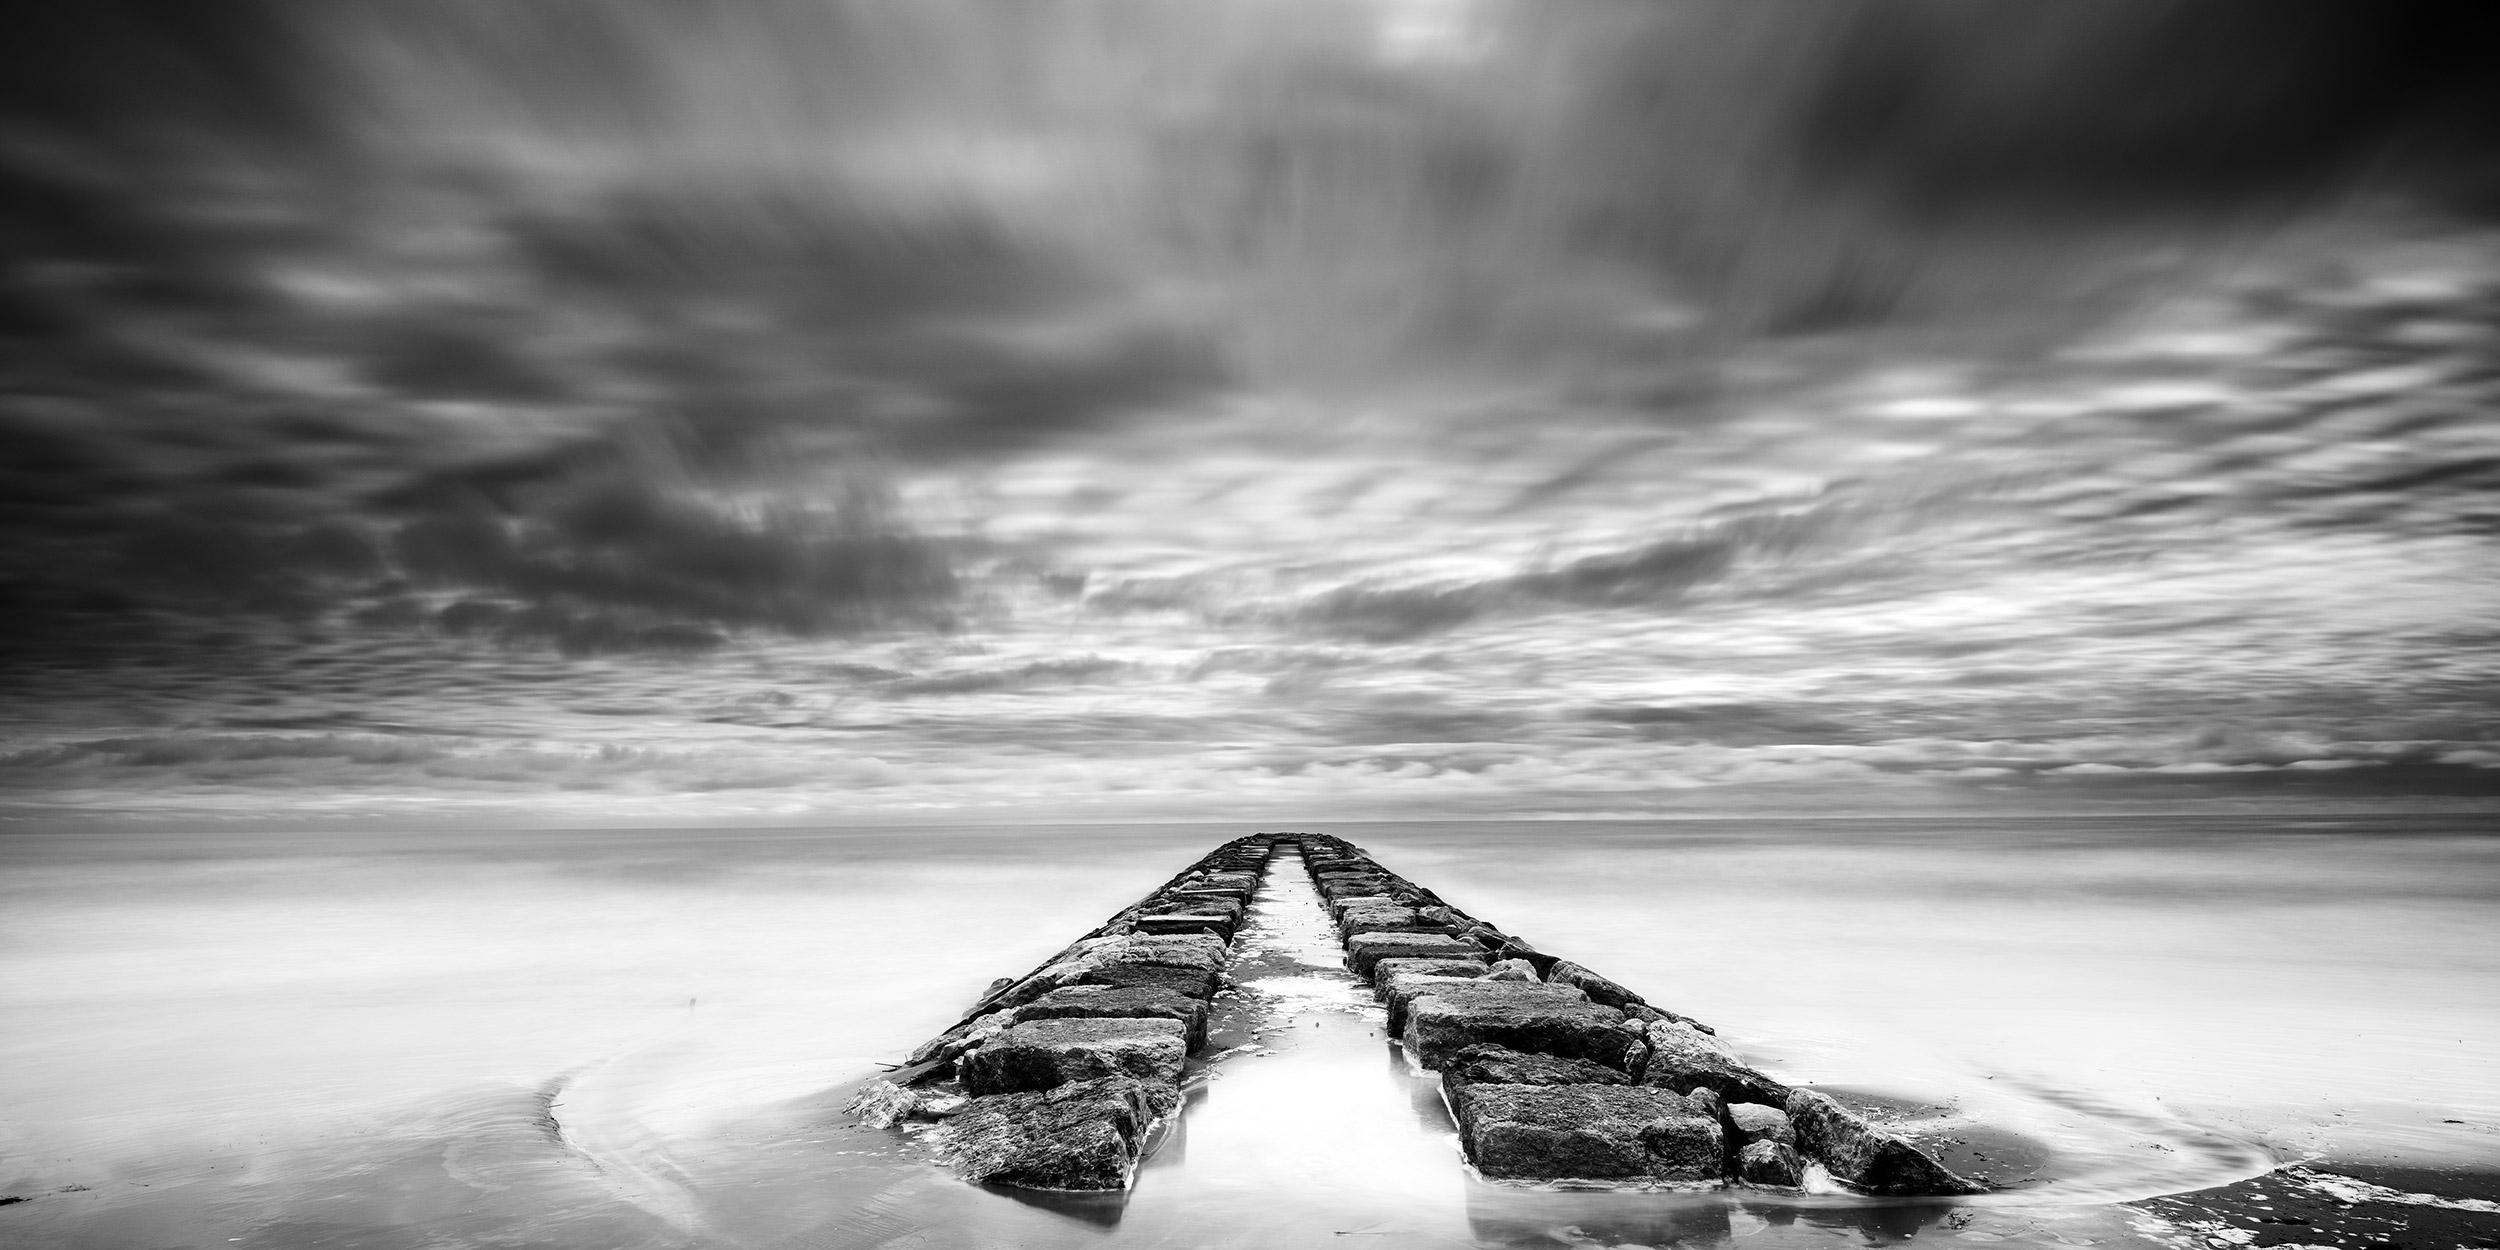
[(1585, 1132), (1336, 907), (1500, 1065), (1385, 920), (1461, 968), (1599, 989), (1519, 1015), (1752, 1122), (1366, 949), (1873, 1159), (1101, 1002), (1767, 1162), (1515, 970), (1709, 1101), (881, 1103), (1182, 922), (1082, 1136), (1186, 981), (1044, 1054), (1400, 990), (1194, 903), (1683, 1058), (1195, 951)]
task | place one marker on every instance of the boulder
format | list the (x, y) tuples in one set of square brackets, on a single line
[(1585, 1132), (1363, 950), (1752, 1122), (1767, 1162), (1683, 1058), (1500, 1065), (1546, 1019), (1045, 1054), (1599, 989), (1873, 1159), (1084, 1136), (1515, 970), (1105, 1002)]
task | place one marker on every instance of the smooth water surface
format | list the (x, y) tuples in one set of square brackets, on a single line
[(625, 1038)]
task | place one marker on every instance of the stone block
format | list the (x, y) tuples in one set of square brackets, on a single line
[(1545, 1019), (1500, 1065), (1363, 950), (1105, 1002), (1586, 1132), (1045, 1054)]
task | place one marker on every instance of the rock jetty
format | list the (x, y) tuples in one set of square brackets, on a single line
[(1059, 1078), (1556, 1073), (1553, 1073)]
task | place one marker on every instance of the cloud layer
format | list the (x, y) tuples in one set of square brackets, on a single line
[(1310, 407)]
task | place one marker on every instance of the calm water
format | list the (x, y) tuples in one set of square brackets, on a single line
[(637, 1038)]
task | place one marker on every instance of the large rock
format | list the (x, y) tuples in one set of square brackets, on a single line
[(1087, 1135), (1500, 1065), (1873, 1159), (1044, 1054), (1682, 1058), (1545, 1019), (1599, 989), (1768, 1162), (1750, 1122), (1586, 1132), (1106, 1002), (1364, 950)]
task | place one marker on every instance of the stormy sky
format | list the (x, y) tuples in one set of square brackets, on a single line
[(1272, 409)]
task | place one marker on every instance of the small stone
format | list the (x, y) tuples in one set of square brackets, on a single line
[(1767, 1162), (1043, 1054), (1873, 1159), (1082, 1136)]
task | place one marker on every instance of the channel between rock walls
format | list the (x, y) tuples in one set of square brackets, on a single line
[(1553, 1073)]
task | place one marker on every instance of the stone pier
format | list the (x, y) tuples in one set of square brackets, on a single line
[(1552, 1072)]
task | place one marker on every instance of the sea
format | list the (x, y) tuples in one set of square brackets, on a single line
[(596, 1039)]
